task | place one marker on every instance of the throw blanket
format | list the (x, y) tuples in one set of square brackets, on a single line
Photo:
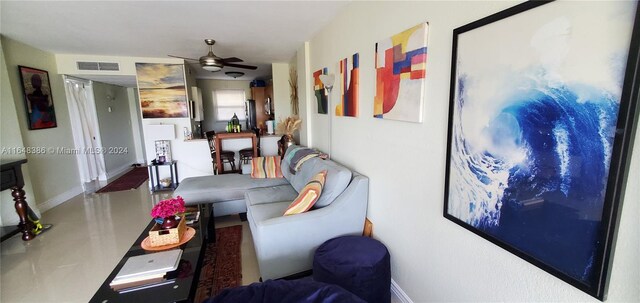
[(299, 155)]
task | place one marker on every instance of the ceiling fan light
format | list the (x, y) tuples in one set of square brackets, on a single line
[(234, 74), (211, 68), (211, 63)]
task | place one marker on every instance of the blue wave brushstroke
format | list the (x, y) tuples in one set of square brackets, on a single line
[(562, 145)]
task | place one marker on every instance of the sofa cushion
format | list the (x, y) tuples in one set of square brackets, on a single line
[(263, 212), (338, 177), (337, 180), (266, 167), (270, 194), (308, 195), (217, 188)]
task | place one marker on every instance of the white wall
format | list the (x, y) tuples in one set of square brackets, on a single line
[(114, 120), (43, 168), (136, 124), (11, 139), (66, 64), (305, 93), (281, 98), (433, 259), (193, 158)]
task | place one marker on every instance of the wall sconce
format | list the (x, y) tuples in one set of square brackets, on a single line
[(327, 81)]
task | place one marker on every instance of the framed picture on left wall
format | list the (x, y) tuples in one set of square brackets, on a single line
[(36, 89)]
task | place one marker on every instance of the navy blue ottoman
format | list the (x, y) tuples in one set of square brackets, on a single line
[(283, 291), (358, 264)]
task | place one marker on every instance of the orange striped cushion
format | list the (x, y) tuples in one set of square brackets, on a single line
[(266, 167), (308, 195)]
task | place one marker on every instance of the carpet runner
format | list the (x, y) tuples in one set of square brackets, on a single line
[(221, 267), (130, 180)]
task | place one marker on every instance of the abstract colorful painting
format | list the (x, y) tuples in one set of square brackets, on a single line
[(320, 92), (349, 78), (400, 74), (162, 90), (539, 126)]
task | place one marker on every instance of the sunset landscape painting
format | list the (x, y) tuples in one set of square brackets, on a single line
[(162, 90)]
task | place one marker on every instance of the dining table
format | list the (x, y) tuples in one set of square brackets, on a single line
[(222, 136)]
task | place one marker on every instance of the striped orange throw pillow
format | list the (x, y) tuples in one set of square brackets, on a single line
[(266, 167), (308, 195)]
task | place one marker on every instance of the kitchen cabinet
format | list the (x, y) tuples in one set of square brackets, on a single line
[(259, 95)]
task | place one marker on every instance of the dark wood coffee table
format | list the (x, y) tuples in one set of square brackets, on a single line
[(186, 276)]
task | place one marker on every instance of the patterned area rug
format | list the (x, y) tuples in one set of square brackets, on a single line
[(221, 266), (131, 180)]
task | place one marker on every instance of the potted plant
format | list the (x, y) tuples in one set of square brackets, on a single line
[(287, 128), (165, 212)]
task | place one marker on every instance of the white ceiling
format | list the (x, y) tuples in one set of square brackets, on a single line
[(259, 32)]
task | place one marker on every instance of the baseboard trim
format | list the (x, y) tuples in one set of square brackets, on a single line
[(399, 293), (120, 170), (59, 199)]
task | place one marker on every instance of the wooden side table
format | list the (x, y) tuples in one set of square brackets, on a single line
[(11, 178), (154, 176)]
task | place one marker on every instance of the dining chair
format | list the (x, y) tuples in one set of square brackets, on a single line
[(225, 156), (246, 154)]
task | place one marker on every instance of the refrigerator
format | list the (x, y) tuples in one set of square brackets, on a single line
[(250, 111)]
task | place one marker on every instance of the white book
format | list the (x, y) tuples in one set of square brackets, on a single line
[(130, 289), (143, 266), (121, 281)]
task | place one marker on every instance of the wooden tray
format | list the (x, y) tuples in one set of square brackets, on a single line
[(188, 235)]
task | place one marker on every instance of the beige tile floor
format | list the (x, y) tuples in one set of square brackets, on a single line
[(90, 235)]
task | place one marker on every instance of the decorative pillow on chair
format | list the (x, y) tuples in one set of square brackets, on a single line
[(266, 167), (308, 195)]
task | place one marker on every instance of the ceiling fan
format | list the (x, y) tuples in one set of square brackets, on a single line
[(213, 63)]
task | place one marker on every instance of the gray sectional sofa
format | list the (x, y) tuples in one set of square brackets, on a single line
[(285, 244)]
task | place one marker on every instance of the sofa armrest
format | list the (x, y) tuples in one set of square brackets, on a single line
[(270, 194), (285, 244)]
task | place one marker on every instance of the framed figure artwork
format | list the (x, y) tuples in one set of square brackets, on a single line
[(36, 89)]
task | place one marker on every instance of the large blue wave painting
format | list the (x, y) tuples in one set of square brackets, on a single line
[(531, 138), (542, 189)]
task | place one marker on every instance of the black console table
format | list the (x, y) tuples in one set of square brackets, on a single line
[(184, 279), (11, 178), (154, 175)]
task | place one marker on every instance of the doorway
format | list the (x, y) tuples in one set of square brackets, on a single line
[(86, 131)]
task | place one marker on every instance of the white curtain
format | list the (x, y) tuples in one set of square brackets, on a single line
[(85, 130)]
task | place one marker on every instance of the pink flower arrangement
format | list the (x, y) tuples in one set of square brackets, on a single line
[(167, 208)]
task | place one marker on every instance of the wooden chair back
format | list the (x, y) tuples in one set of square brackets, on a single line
[(211, 138)]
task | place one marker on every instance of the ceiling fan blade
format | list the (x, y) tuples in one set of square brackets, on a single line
[(182, 57), (232, 59), (241, 66)]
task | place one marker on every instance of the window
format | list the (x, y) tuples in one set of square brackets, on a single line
[(229, 102)]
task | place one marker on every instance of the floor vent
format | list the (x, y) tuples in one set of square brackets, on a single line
[(106, 66)]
